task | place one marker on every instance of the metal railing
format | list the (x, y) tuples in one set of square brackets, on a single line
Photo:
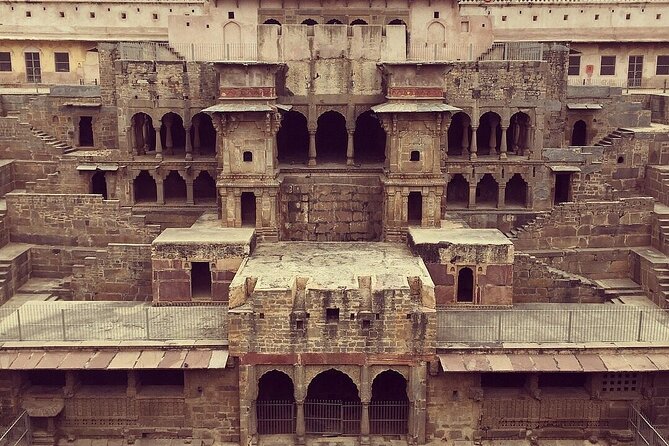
[(644, 433), (605, 323), (18, 433), (603, 82), (327, 417), (501, 51), (275, 417), (78, 321), (212, 52), (388, 417), (147, 51)]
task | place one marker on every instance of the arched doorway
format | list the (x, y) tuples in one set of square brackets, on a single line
[(518, 132), (143, 133), (144, 188), (172, 133), (389, 406), (465, 285), (271, 22), (275, 406), (397, 22), (99, 184), (204, 189), (515, 193), (174, 187), (332, 405), (203, 135), (248, 203), (457, 192), (459, 134), (415, 208), (331, 137), (579, 134), (86, 131), (292, 139), (334, 22), (487, 191), (489, 134), (369, 139), (358, 22)]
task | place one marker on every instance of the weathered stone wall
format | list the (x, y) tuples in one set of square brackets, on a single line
[(17, 142), (452, 413), (121, 272), (535, 281), (594, 264), (74, 220), (28, 171), (659, 107), (334, 208), (622, 223), (212, 403)]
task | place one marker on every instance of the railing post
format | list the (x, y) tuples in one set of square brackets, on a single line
[(62, 322), (146, 320), (640, 329), (569, 320), (541, 51), (18, 322), (499, 327)]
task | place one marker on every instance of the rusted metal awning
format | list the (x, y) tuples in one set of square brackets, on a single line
[(239, 108), (83, 104), (132, 359), (563, 168), (584, 106), (414, 107), (587, 362), (104, 167)]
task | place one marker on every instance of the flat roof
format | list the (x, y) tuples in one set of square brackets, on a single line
[(332, 265), (198, 235), (462, 236)]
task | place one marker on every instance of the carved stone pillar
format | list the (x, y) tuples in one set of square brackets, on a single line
[(196, 134), (169, 143), (516, 136), (530, 140), (189, 147), (300, 394), (189, 191), (312, 147), (365, 397), (502, 145), (159, 144), (160, 191), (465, 137), (472, 155), (472, 194), (145, 136), (349, 148), (501, 190), (492, 140), (446, 123)]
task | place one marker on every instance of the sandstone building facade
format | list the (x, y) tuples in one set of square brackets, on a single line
[(334, 222)]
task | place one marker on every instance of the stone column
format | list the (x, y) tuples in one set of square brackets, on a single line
[(189, 191), (189, 147), (516, 136), (472, 194), (160, 191), (465, 137), (472, 155), (196, 134), (502, 145), (312, 148), (365, 397), (300, 394), (501, 190), (492, 141), (145, 136), (159, 144), (168, 136), (349, 148)]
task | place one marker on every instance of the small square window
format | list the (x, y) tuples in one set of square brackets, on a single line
[(436, 14), (91, 15), (658, 16), (503, 18), (661, 69), (299, 325), (29, 14), (366, 324), (574, 65), (155, 16), (534, 18), (62, 62), (231, 14), (608, 66), (415, 155), (628, 16), (137, 9), (124, 16), (332, 314), (61, 14), (187, 23), (464, 27), (596, 16), (247, 156), (5, 61), (565, 17)]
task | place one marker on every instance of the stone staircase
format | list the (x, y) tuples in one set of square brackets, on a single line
[(621, 291), (49, 140), (529, 226), (611, 138)]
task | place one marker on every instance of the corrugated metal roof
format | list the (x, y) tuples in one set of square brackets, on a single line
[(240, 108), (630, 362), (414, 107), (104, 167), (141, 358)]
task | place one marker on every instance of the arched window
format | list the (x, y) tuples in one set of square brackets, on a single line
[(99, 184), (465, 285), (489, 134), (292, 139), (579, 134), (358, 22), (397, 22), (457, 192), (334, 22), (172, 134), (487, 192), (459, 134), (332, 405), (203, 135), (515, 193), (142, 133), (144, 188), (389, 406), (272, 22), (518, 132), (310, 22), (331, 137), (369, 139), (275, 406), (204, 189), (174, 187)]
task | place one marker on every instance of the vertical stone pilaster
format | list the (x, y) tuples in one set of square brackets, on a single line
[(159, 144), (474, 150), (502, 144)]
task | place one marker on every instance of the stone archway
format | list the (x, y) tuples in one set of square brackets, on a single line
[(332, 406), (579, 133), (389, 406), (331, 137), (369, 139), (292, 139), (275, 405)]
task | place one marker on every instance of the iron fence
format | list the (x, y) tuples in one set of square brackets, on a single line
[(606, 323), (148, 51), (275, 417), (389, 417), (644, 433), (501, 51), (217, 51), (514, 413), (327, 417), (79, 321), (18, 433)]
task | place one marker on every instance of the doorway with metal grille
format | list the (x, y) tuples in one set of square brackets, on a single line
[(332, 406), (275, 406)]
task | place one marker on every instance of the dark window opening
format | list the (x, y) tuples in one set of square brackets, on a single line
[(518, 132), (99, 184), (579, 134), (200, 280), (299, 325), (620, 160), (369, 139), (608, 66), (145, 190), (46, 378), (389, 406), (86, 131), (397, 22), (459, 134), (415, 155), (574, 65), (154, 16), (662, 67), (62, 62), (175, 188), (272, 22), (203, 135), (172, 134), (111, 378), (292, 139), (503, 380), (310, 22), (415, 208), (489, 134), (366, 324), (248, 202), (204, 189), (436, 14), (143, 134), (231, 14), (562, 379), (562, 188), (247, 156), (275, 405), (332, 385), (5, 61), (150, 378), (515, 193), (358, 22), (465, 285), (334, 22), (332, 314), (457, 192), (487, 191), (331, 137)]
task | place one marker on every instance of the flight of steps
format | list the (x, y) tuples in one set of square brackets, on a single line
[(622, 291), (529, 226), (663, 223), (662, 277), (49, 140), (614, 136)]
